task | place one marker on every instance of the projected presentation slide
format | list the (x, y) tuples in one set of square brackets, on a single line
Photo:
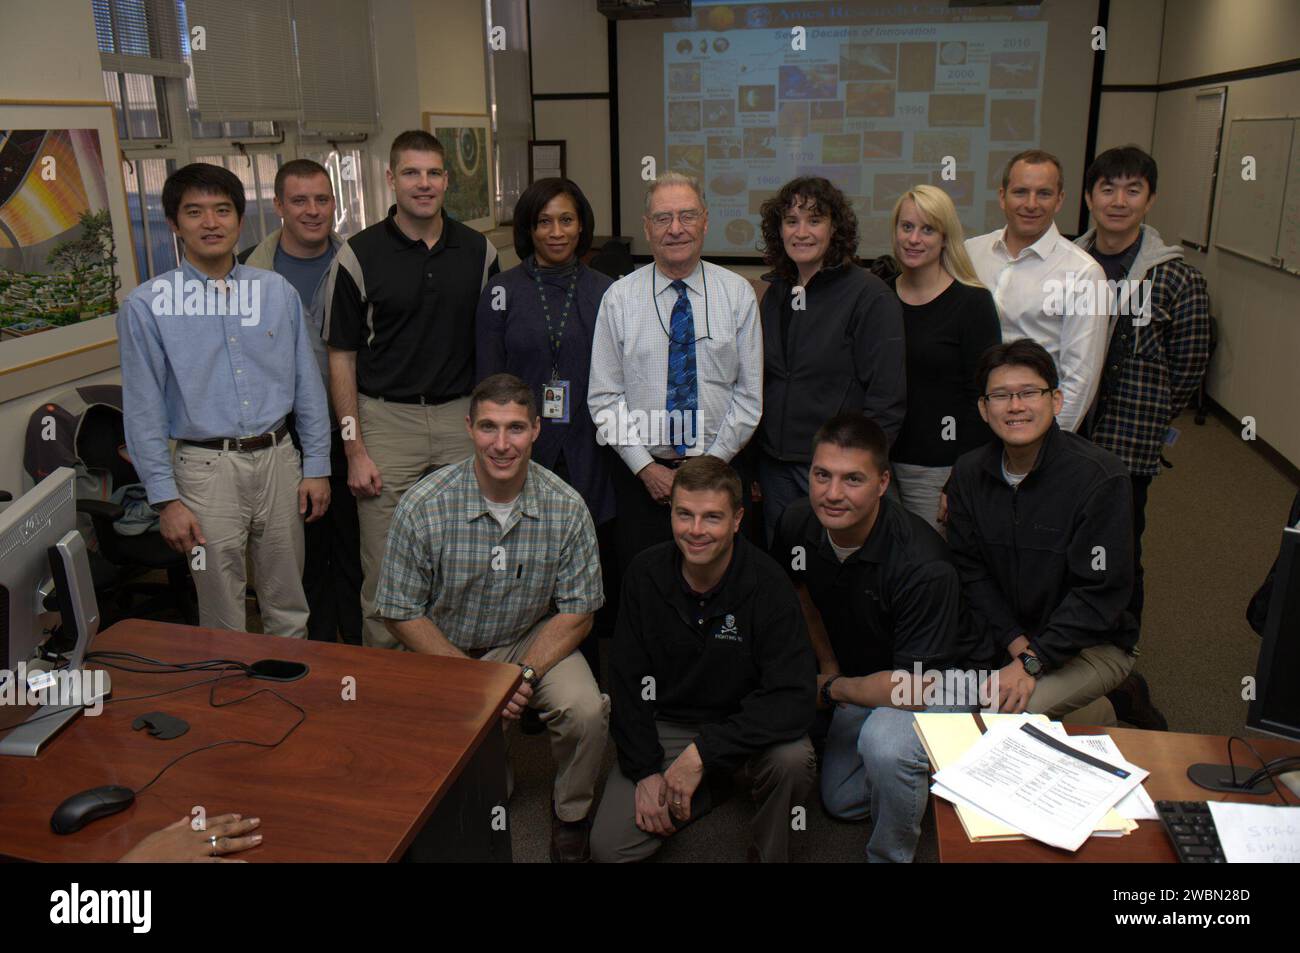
[(873, 108)]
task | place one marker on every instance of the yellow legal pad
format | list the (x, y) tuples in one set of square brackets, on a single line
[(947, 736)]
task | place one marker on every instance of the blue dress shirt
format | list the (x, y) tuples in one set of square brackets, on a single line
[(200, 363)]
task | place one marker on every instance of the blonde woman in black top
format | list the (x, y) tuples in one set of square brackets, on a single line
[(949, 320)]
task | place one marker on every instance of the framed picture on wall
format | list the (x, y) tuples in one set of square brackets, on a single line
[(545, 159), (65, 236), (470, 188)]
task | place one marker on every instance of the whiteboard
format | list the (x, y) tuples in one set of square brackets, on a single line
[(1288, 239), (1206, 138), (1251, 210)]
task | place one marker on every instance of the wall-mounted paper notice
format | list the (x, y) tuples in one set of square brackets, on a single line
[(1258, 833)]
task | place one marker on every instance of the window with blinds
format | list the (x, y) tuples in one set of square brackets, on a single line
[(139, 36), (334, 65), (246, 69), (273, 59)]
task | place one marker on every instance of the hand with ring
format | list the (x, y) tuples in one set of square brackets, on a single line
[(181, 843)]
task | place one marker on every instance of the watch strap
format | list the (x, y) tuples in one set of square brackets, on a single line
[(826, 690)]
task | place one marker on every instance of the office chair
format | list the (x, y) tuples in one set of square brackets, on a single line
[(125, 558)]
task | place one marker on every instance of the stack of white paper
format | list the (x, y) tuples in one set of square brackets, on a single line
[(1050, 788)]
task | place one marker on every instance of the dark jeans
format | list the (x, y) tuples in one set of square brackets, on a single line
[(331, 575), (642, 522), (611, 580), (1141, 484), (782, 483)]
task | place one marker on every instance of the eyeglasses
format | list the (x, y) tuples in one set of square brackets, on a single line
[(1026, 395), (691, 216)]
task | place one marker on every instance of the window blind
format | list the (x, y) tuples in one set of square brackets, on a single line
[(248, 69), (139, 36), (335, 68)]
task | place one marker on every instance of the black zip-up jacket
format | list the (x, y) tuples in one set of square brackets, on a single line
[(846, 353), (1051, 559), (736, 661)]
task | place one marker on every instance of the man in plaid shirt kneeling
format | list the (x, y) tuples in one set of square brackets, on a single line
[(495, 558)]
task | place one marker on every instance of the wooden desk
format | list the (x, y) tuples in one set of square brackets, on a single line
[(357, 781), (1166, 755)]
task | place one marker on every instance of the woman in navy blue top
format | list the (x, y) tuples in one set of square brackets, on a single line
[(536, 321)]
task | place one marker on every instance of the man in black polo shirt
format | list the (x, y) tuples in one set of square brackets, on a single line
[(710, 669), (1040, 522), (399, 322), (881, 599)]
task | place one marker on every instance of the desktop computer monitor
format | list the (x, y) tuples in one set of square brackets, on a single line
[(32, 524), (44, 567), (1276, 706)]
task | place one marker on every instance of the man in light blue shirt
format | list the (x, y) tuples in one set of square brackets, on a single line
[(215, 355)]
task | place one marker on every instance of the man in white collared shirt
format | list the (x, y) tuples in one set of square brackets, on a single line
[(1044, 288), (676, 363)]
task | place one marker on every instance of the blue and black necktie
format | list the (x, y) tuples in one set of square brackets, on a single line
[(683, 392)]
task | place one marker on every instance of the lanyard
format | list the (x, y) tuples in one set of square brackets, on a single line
[(654, 296), (555, 330)]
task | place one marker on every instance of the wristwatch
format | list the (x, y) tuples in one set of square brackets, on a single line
[(826, 692), (531, 678), (1033, 665)]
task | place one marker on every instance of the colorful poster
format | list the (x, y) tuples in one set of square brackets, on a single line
[(57, 251)]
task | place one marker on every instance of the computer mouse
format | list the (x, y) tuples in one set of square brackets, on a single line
[(86, 806)]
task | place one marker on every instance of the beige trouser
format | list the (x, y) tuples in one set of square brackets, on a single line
[(782, 780), (246, 502), (403, 440), (576, 715), (1076, 692)]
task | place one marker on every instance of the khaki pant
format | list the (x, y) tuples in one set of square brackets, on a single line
[(783, 778), (246, 503), (576, 716), (1076, 692), (403, 440)]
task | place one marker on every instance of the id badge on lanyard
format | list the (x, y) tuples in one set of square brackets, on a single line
[(555, 401)]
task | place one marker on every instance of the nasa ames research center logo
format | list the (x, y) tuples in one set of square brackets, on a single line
[(728, 630)]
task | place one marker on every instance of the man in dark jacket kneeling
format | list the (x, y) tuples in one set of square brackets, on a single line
[(711, 669), (1040, 522)]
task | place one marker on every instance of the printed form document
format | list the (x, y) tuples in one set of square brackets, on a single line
[(1046, 787)]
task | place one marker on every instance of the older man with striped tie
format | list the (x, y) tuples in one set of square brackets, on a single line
[(676, 363)]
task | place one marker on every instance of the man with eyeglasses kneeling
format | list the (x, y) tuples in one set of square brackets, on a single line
[(1040, 522)]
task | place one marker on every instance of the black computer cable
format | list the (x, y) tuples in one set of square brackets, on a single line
[(212, 700), (1265, 770), (114, 659), (107, 659)]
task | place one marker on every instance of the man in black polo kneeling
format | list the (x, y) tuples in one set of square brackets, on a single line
[(710, 669)]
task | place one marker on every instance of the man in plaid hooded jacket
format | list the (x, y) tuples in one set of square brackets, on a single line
[(1159, 344)]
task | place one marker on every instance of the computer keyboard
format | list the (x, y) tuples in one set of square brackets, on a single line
[(1190, 826)]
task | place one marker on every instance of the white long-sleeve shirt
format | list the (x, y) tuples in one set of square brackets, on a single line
[(629, 363), (1051, 275)]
